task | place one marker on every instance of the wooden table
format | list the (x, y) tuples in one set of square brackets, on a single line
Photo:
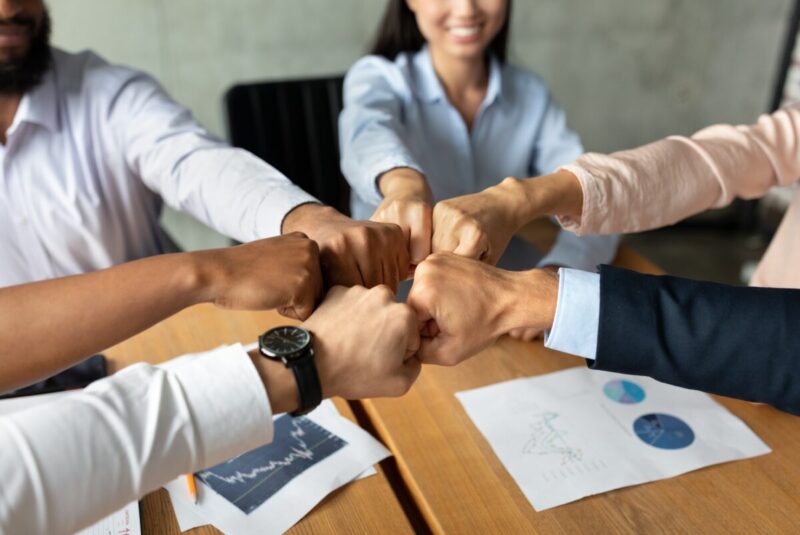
[(460, 485), (456, 484), (365, 506)]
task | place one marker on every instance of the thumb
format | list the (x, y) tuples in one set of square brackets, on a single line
[(420, 237), (433, 350), (291, 312), (418, 304)]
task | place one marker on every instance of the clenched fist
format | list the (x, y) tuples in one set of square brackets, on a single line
[(466, 305), (352, 253), (480, 225), (276, 273), (365, 343)]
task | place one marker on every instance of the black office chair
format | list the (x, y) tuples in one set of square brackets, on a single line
[(293, 125)]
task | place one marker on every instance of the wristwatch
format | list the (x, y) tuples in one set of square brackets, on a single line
[(293, 347)]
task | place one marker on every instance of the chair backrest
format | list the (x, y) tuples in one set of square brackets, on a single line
[(293, 125)]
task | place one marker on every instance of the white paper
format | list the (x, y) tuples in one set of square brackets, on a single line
[(294, 500), (123, 522), (561, 437)]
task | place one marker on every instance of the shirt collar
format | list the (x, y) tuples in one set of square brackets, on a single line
[(430, 88), (40, 104)]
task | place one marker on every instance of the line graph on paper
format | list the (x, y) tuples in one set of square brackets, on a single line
[(562, 459), (252, 478), (546, 439)]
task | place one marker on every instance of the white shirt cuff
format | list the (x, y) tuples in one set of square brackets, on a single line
[(274, 208), (227, 399), (577, 314)]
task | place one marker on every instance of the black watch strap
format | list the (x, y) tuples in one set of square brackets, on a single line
[(308, 387)]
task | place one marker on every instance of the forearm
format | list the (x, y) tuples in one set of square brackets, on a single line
[(48, 326), (556, 194), (529, 300), (683, 176)]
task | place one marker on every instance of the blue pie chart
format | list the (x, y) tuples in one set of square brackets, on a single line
[(663, 431), (622, 391)]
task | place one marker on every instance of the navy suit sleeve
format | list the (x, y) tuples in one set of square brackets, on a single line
[(734, 341)]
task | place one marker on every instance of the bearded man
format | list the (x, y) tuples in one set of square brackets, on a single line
[(90, 151)]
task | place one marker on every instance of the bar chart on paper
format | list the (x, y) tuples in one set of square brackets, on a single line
[(250, 479)]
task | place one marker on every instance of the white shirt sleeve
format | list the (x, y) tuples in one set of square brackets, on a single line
[(577, 314), (371, 134), (229, 189), (67, 464)]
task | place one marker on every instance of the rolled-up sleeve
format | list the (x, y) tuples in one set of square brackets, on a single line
[(683, 176), (125, 436), (229, 189), (371, 133)]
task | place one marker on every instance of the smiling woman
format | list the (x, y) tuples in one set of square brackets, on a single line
[(436, 113)]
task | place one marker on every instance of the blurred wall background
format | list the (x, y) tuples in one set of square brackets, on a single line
[(626, 71)]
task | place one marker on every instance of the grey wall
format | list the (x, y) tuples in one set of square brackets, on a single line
[(627, 71)]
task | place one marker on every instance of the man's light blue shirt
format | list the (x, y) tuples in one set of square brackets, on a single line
[(396, 114)]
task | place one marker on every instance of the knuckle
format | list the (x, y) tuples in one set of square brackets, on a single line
[(382, 292), (423, 269), (339, 242), (363, 232)]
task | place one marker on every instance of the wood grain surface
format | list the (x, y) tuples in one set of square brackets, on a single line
[(461, 487), (365, 506)]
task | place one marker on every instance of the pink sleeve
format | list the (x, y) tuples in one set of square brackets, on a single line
[(669, 180)]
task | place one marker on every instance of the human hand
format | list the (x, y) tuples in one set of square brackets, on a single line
[(467, 305), (480, 225), (352, 253), (407, 201), (365, 343), (276, 273)]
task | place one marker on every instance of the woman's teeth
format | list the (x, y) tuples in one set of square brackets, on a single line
[(465, 31)]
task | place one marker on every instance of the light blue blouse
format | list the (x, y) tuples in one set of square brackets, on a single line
[(396, 114)]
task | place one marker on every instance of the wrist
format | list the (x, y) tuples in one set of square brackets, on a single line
[(531, 300), (194, 277), (279, 382), (405, 183), (305, 217), (557, 194), (514, 201)]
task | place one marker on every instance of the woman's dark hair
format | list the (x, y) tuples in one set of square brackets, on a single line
[(398, 32)]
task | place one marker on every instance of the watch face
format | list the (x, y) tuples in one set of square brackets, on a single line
[(285, 341)]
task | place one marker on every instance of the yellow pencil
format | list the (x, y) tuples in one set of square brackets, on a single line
[(192, 487)]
